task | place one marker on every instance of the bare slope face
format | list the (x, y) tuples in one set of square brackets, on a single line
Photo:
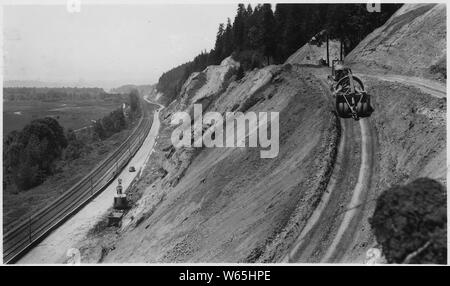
[(227, 204), (411, 42), (412, 132), (313, 53), (410, 129), (202, 87)]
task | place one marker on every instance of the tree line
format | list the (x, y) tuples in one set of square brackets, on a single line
[(259, 36), (49, 94), (115, 121)]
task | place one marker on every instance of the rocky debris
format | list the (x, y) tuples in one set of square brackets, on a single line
[(239, 92), (207, 83), (436, 116)]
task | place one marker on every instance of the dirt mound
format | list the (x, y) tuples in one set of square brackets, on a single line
[(411, 42)]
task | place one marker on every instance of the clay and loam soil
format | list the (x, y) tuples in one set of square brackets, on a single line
[(411, 143), (228, 204)]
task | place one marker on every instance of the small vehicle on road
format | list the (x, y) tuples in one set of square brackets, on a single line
[(352, 101), (132, 169)]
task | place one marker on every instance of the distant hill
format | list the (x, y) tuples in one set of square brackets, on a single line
[(105, 84), (56, 93), (30, 83), (142, 89)]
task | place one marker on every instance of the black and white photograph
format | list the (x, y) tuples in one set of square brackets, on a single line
[(224, 133)]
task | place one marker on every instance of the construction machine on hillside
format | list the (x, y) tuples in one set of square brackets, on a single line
[(352, 101)]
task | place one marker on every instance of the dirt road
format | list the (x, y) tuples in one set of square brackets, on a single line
[(431, 87), (332, 232), (325, 234), (54, 247)]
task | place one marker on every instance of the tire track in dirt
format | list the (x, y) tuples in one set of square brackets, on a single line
[(352, 226), (318, 224), (348, 226), (431, 87), (330, 229)]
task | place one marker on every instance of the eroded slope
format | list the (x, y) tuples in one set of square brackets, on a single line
[(227, 204), (411, 42)]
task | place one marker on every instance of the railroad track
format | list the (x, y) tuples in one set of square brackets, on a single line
[(23, 236)]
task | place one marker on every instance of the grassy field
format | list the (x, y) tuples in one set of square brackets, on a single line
[(19, 205), (70, 114)]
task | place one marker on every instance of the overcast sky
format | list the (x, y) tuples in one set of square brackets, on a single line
[(106, 45)]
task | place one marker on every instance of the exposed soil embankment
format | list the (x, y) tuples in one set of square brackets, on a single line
[(315, 53), (409, 122), (411, 127), (229, 204), (411, 130), (412, 42)]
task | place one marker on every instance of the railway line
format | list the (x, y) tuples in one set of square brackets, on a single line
[(27, 233)]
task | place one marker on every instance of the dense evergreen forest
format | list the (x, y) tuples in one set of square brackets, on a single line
[(258, 36)]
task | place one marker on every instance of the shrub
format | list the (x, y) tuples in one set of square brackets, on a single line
[(75, 147), (439, 69), (249, 59), (112, 123), (410, 223), (29, 155), (27, 177)]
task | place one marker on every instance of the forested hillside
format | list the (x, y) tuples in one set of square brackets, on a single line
[(259, 36)]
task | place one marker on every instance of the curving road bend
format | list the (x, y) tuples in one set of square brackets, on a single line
[(334, 226), (431, 87), (54, 247)]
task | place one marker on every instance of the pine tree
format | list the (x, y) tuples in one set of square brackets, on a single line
[(219, 47), (228, 40), (249, 10), (239, 27), (268, 32), (259, 35)]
